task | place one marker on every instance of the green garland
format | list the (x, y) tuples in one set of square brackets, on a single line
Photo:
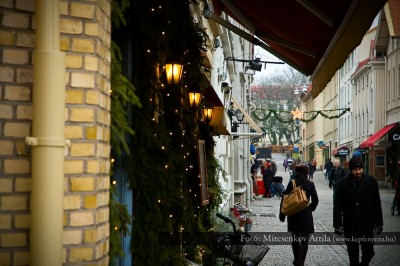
[(265, 114)]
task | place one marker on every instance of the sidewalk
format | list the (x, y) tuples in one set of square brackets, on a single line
[(265, 219)]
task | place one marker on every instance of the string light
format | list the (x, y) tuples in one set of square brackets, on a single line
[(112, 160), (114, 182), (166, 166)]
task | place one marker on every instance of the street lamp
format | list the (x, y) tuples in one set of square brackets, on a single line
[(194, 97), (207, 112), (173, 72)]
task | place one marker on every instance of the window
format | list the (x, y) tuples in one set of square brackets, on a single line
[(379, 161)]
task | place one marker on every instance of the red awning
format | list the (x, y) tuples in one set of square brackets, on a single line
[(369, 142), (315, 37)]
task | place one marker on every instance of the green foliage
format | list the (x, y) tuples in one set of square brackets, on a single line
[(122, 95), (160, 136), (119, 221)]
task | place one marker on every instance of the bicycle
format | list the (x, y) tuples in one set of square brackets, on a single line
[(238, 212), (237, 250)]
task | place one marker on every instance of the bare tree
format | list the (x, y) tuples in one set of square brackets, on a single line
[(274, 99)]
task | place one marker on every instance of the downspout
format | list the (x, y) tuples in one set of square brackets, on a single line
[(247, 182), (47, 141)]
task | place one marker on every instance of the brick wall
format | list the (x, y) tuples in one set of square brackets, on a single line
[(85, 29)]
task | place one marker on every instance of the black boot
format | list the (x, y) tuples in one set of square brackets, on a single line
[(301, 255), (295, 248)]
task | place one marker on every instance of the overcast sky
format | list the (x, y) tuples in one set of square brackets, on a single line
[(269, 69)]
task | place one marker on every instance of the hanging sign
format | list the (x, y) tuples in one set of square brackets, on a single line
[(343, 151)]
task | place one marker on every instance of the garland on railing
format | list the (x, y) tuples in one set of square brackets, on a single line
[(286, 117)]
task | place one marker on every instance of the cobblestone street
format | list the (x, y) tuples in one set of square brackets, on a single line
[(265, 219)]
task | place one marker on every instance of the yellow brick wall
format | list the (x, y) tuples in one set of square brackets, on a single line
[(85, 29)]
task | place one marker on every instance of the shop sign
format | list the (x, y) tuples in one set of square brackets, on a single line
[(394, 136), (343, 152), (321, 144)]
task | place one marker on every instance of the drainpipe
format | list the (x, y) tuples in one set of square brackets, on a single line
[(47, 140)]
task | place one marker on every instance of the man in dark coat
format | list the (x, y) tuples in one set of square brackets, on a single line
[(328, 166), (336, 174), (357, 211), (301, 224)]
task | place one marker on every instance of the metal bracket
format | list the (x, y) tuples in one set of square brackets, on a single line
[(56, 142)]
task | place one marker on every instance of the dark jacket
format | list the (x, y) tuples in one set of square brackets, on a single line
[(303, 221), (357, 206), (328, 166), (254, 168), (335, 175), (267, 177)]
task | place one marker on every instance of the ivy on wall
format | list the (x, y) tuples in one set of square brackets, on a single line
[(157, 130)]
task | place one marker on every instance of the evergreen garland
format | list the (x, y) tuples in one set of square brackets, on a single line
[(285, 117), (161, 142)]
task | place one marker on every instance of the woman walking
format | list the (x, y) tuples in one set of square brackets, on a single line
[(301, 224)]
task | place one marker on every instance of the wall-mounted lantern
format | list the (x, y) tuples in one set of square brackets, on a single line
[(194, 97), (173, 72), (207, 112)]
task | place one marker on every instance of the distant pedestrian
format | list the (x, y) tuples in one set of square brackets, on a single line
[(285, 164), (274, 167), (327, 167), (267, 178), (253, 172), (396, 200), (311, 170), (301, 224), (336, 174), (357, 212)]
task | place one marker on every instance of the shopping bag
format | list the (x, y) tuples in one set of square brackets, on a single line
[(294, 202)]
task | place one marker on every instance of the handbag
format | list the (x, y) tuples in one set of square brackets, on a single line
[(294, 202)]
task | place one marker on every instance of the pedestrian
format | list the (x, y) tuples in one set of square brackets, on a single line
[(274, 167), (357, 212), (327, 167), (291, 171), (253, 172), (285, 164), (301, 224), (267, 178), (336, 174), (396, 200), (311, 170)]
